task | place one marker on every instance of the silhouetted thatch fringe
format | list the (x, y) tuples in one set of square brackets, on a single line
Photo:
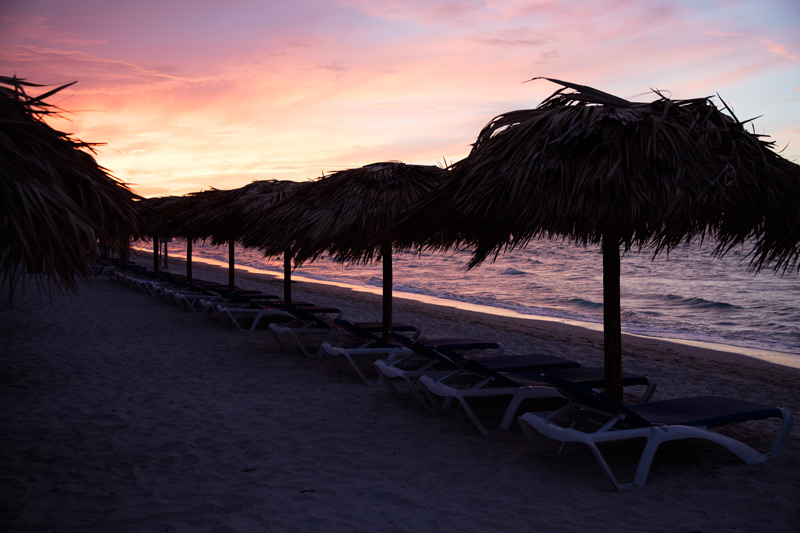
[(217, 215), (230, 213), (56, 201), (158, 215)]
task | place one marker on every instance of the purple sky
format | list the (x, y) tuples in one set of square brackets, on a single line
[(191, 94)]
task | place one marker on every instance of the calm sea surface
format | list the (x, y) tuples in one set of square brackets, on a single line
[(687, 295)]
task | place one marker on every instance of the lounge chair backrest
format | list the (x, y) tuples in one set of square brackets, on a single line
[(594, 399), (452, 358), (417, 346), (303, 313), (362, 333), (205, 286), (240, 295), (475, 366)]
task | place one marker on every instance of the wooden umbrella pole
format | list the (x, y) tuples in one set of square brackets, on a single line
[(189, 259), (156, 246), (231, 280), (287, 276), (612, 325), (387, 290)]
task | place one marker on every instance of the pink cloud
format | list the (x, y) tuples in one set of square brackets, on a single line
[(768, 44)]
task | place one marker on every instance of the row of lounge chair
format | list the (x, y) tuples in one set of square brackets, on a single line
[(587, 416), (551, 398)]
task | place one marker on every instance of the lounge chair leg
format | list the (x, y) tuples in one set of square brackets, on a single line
[(473, 417), (654, 440), (534, 439), (447, 403), (389, 385), (437, 404), (783, 434), (425, 399), (648, 393), (520, 396), (508, 416), (357, 369), (605, 467)]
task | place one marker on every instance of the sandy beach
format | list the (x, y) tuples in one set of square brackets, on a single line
[(120, 412)]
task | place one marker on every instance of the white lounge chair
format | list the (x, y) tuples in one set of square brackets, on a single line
[(656, 422)]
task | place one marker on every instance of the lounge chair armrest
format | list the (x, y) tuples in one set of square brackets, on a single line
[(338, 350)]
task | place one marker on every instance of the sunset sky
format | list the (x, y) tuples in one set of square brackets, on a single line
[(192, 94)]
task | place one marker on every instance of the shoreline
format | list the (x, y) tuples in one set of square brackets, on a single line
[(783, 359)]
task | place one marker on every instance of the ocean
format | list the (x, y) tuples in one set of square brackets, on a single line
[(687, 295)]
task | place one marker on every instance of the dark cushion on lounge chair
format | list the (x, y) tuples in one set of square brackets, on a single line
[(702, 411), (697, 411), (506, 363), (586, 376)]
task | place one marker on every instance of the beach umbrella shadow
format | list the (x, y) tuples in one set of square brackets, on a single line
[(589, 167)]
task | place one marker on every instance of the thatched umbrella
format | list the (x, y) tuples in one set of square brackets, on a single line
[(180, 216), (228, 213), (593, 168), (343, 214), (55, 200), (167, 216)]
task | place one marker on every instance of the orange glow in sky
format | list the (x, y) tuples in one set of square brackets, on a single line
[(192, 94)]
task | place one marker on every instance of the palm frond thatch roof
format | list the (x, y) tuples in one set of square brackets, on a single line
[(56, 200), (159, 214), (584, 164), (345, 213), (179, 216), (230, 213), (218, 215)]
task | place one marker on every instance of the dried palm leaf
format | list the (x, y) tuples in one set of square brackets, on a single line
[(56, 201)]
